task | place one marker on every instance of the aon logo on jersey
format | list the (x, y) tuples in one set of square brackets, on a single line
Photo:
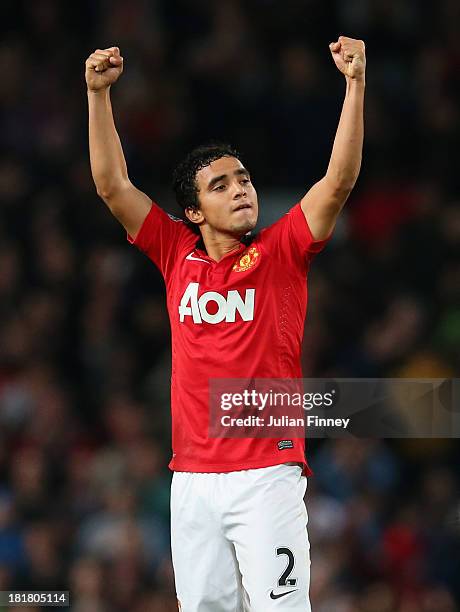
[(197, 307)]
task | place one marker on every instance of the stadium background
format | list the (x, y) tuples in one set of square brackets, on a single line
[(84, 357)]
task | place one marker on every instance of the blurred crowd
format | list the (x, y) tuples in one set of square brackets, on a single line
[(84, 334)]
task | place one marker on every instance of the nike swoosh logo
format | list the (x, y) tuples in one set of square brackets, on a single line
[(191, 258), (273, 596)]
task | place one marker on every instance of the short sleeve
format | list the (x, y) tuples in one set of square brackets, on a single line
[(161, 237), (290, 238)]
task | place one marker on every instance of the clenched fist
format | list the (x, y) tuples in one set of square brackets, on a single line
[(349, 56), (102, 68)]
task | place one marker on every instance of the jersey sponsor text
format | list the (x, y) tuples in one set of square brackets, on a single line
[(227, 307)]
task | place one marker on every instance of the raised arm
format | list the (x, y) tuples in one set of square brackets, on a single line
[(323, 202), (108, 166)]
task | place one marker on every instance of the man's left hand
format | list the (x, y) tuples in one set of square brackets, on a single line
[(349, 56)]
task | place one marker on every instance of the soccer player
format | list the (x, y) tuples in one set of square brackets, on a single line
[(237, 305)]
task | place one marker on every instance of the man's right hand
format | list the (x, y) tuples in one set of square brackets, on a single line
[(103, 67)]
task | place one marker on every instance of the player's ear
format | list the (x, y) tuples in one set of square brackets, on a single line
[(194, 215)]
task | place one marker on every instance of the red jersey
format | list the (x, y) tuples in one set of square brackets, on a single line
[(240, 317)]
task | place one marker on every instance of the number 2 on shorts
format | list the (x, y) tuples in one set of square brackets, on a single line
[(284, 579)]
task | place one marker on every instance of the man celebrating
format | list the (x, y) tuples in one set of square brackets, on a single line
[(237, 304)]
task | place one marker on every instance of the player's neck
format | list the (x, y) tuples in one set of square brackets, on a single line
[(218, 244)]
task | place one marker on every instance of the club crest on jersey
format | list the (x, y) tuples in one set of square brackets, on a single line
[(247, 260)]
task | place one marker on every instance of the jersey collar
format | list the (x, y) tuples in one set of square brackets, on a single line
[(245, 241)]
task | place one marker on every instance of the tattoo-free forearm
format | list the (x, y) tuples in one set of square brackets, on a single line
[(345, 161), (108, 165)]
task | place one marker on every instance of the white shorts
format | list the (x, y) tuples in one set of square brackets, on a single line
[(239, 540)]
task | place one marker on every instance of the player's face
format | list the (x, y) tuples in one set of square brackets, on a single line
[(228, 200)]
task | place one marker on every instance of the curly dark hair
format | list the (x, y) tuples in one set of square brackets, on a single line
[(184, 175)]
